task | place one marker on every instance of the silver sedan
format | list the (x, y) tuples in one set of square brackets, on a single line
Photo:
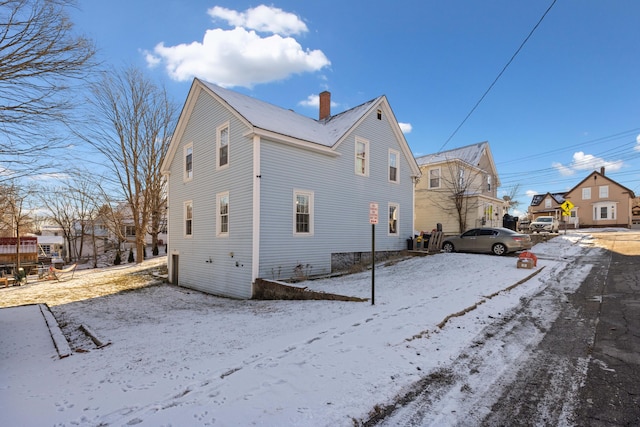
[(496, 240)]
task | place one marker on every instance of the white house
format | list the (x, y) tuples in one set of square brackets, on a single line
[(259, 191)]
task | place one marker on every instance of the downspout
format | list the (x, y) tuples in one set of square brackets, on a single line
[(255, 235)]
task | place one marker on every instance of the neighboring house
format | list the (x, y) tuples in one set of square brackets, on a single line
[(546, 205), (599, 201), (458, 190), (635, 213), (259, 191)]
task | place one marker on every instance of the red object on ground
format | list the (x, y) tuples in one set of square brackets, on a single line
[(529, 255)]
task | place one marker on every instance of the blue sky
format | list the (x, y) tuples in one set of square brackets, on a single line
[(568, 103)]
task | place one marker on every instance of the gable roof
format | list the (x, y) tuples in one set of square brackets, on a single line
[(470, 154), (538, 198), (602, 175), (286, 124), (263, 115)]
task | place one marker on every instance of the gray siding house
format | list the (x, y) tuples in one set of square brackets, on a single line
[(259, 191)]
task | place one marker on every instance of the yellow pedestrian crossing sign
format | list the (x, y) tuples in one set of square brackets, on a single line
[(566, 207)]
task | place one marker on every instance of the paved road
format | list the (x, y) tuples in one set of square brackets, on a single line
[(611, 394), (585, 371)]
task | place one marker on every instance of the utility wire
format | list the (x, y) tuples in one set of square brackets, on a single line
[(499, 75)]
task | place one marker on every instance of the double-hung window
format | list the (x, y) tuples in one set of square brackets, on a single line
[(302, 213), (222, 220), (394, 157), (394, 211), (362, 157), (188, 218), (222, 145), (586, 193), (188, 162), (604, 191), (434, 178)]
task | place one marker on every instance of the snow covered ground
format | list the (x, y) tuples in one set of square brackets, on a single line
[(178, 357)]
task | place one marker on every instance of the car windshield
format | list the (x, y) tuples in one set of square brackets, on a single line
[(544, 219)]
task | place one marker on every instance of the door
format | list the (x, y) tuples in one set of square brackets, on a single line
[(174, 269)]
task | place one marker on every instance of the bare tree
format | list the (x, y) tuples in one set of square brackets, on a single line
[(40, 59), (131, 123), (510, 197), (461, 187), (74, 208), (59, 203), (17, 214)]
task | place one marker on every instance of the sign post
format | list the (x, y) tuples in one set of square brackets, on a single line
[(373, 220), (566, 211)]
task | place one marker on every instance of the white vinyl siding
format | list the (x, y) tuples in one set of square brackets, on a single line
[(222, 220), (362, 157)]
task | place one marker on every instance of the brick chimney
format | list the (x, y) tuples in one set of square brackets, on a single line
[(602, 170), (325, 105)]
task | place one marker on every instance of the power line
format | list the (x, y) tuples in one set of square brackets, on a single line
[(499, 75)]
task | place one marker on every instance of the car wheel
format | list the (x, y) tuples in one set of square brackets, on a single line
[(447, 247), (499, 249)]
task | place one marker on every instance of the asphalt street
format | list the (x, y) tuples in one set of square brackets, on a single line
[(585, 371), (611, 392)]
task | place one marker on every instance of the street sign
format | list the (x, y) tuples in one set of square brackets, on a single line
[(567, 206), (373, 213)]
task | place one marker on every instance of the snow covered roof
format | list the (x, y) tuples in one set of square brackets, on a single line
[(538, 198), (285, 122), (470, 154)]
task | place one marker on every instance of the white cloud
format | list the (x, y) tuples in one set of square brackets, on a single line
[(314, 101), (586, 162), (564, 170), (531, 193), (240, 56), (637, 147), (261, 18), (405, 127)]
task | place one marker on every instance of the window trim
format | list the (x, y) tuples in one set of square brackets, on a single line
[(365, 142), (439, 169), (219, 214), (185, 211), (310, 195), (187, 174), (603, 194), (397, 219), (611, 211), (219, 130), (395, 153)]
